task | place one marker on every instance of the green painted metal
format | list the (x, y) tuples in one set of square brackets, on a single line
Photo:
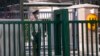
[(87, 39), (92, 40), (29, 40), (90, 34), (9, 39), (19, 39), (44, 52), (61, 36), (39, 40), (62, 15), (24, 28), (96, 41), (49, 40), (4, 41), (65, 33), (14, 40), (77, 26), (57, 32), (82, 39)]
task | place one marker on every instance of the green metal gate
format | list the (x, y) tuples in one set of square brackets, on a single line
[(34, 38), (17, 38), (87, 35)]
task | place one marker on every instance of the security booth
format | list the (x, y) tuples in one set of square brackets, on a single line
[(83, 12)]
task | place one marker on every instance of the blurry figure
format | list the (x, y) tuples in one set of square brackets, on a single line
[(36, 34), (36, 43), (34, 17)]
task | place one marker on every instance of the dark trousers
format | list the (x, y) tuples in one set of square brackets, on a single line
[(36, 44)]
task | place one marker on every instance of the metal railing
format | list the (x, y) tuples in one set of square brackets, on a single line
[(76, 38), (84, 38), (16, 36), (26, 38), (60, 37)]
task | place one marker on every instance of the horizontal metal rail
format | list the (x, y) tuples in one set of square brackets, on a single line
[(20, 22), (84, 21)]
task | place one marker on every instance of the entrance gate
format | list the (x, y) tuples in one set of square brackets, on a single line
[(87, 37), (28, 38), (34, 38)]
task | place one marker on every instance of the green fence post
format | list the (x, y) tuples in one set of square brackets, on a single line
[(62, 32), (57, 33), (65, 33)]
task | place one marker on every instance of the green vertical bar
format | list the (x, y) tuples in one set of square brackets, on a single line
[(78, 38), (92, 39), (4, 40), (9, 39), (14, 41), (82, 34), (96, 38), (24, 38), (38, 36), (65, 33), (73, 33), (49, 40), (19, 39), (87, 39), (29, 39), (57, 32), (39, 39), (33, 42), (43, 38)]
